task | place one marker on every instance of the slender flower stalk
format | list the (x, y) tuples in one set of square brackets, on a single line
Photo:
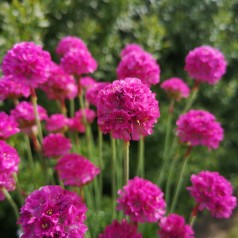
[(114, 188), (34, 102), (19, 190), (180, 179), (141, 157), (11, 201), (71, 107), (193, 215), (100, 160), (126, 161)]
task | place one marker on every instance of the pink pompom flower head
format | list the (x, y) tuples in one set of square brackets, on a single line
[(27, 63), (78, 62), (141, 200), (205, 64), (213, 192), (56, 145), (87, 82), (9, 161), (56, 123), (131, 48), (68, 43), (198, 127), (8, 126), (174, 226), (75, 170), (176, 88), (13, 89), (60, 85), (139, 65), (127, 109), (53, 212), (24, 114), (121, 229)]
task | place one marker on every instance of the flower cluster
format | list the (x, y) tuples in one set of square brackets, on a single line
[(127, 108), (131, 48), (213, 192), (87, 82), (176, 88), (9, 161), (205, 64), (10, 88), (56, 123), (8, 126), (141, 200), (139, 65), (55, 145), (174, 226), (53, 212), (120, 230), (59, 85), (75, 170), (27, 63), (198, 127)]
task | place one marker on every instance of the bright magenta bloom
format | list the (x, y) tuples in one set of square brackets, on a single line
[(141, 200), (9, 160), (8, 126), (174, 226), (56, 145), (13, 89), (127, 108), (120, 230), (59, 85), (56, 123), (139, 65), (68, 43), (53, 212), (76, 123), (78, 61), (198, 127), (176, 88), (75, 170), (131, 48), (87, 82), (93, 92), (24, 114), (205, 64), (213, 192), (27, 63)]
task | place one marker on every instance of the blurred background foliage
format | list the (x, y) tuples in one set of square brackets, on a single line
[(166, 28)]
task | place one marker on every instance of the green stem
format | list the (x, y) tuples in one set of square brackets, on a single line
[(11, 201), (114, 191), (141, 157), (19, 190), (126, 161), (193, 215), (71, 107), (36, 113), (100, 160), (180, 179)]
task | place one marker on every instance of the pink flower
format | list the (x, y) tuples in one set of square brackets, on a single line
[(131, 48), (141, 200), (9, 161), (176, 88), (93, 92), (56, 123), (8, 126), (213, 192), (76, 123), (120, 230), (205, 64), (27, 63), (13, 89), (75, 170), (53, 212), (24, 114), (56, 145), (59, 85), (175, 226), (87, 82), (139, 65), (198, 127), (127, 108), (78, 61), (68, 43)]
